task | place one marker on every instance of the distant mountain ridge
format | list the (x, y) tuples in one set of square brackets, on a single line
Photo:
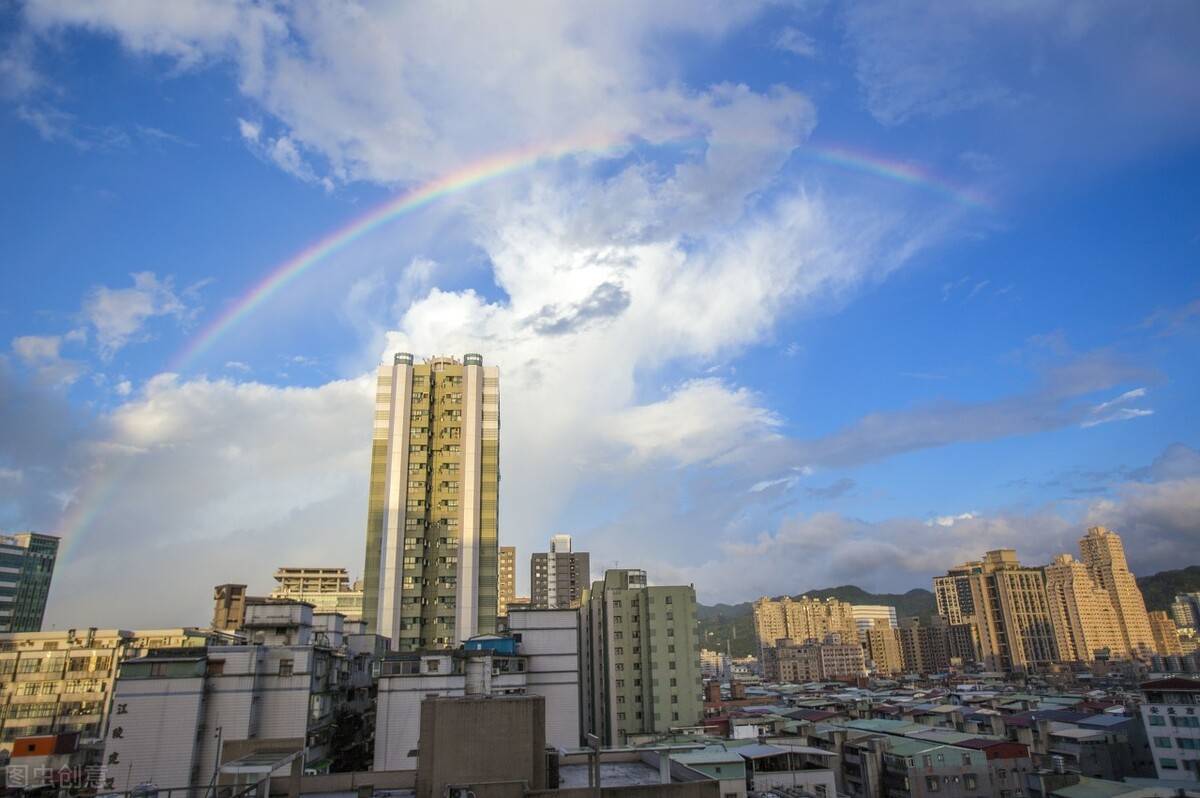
[(731, 626), (1159, 589)]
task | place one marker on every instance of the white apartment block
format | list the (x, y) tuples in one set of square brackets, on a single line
[(549, 641), (865, 616), (539, 657), (172, 709), (407, 679), (1171, 714)]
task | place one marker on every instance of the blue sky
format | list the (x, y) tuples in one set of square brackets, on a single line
[(727, 356)]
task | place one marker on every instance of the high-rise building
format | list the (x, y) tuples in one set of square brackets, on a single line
[(1166, 634), (641, 657), (1104, 555), (558, 577), (882, 648), (953, 594), (28, 560), (431, 567), (327, 589), (1186, 610), (866, 616), (1008, 607), (1085, 623), (507, 575), (802, 619), (925, 649)]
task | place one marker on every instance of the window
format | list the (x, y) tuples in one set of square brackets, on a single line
[(674, 682), (932, 783), (1188, 743), (668, 599), (431, 666), (620, 651), (969, 781), (620, 683), (1159, 720), (674, 698), (617, 603), (671, 665), (670, 616), (215, 667), (620, 716), (1168, 764), (1162, 742), (286, 666), (671, 649), (158, 669)]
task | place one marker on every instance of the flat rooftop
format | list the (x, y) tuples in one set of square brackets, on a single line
[(612, 774)]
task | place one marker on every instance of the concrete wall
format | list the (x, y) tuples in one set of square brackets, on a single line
[(691, 789), (470, 740), (550, 641), (348, 782), (153, 733)]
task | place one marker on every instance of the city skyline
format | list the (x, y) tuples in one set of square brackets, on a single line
[(756, 280)]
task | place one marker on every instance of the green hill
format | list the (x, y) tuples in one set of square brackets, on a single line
[(1159, 589), (732, 625)]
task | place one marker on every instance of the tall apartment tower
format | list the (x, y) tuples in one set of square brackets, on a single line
[(1104, 555), (1081, 611), (953, 594), (1009, 609), (558, 577), (28, 560), (430, 579), (507, 574), (641, 657), (1166, 634)]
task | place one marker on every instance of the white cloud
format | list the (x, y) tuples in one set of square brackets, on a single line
[(700, 421), (250, 131), (951, 520), (37, 348), (42, 354), (796, 42), (237, 365), (389, 92), (123, 388), (119, 315), (1113, 409)]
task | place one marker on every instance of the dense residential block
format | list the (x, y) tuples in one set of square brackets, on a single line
[(431, 562), (62, 682), (302, 682), (802, 619)]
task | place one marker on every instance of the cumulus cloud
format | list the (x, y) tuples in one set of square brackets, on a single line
[(42, 354), (119, 315)]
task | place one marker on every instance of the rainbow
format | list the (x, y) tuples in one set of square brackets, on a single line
[(285, 273), (903, 172), (98, 489)]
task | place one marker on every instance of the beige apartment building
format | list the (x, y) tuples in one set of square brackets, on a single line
[(507, 576), (830, 659), (1166, 634), (1085, 623), (802, 619), (327, 589), (641, 657), (1104, 555), (1008, 606), (881, 645), (432, 556), (58, 682)]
